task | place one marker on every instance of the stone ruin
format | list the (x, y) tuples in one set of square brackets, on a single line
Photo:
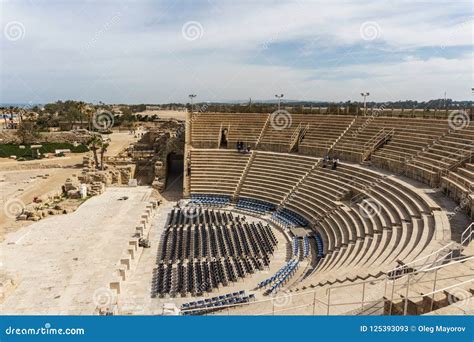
[(168, 139), (46, 205), (97, 180), (160, 176), (90, 182)]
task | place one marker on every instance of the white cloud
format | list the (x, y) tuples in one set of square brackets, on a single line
[(135, 52)]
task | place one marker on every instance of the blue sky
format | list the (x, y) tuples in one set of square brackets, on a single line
[(160, 51)]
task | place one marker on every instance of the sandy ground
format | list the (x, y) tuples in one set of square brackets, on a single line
[(20, 187), (22, 181), (62, 264), (118, 142)]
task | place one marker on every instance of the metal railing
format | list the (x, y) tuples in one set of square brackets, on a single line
[(464, 159), (262, 132), (410, 275), (314, 302), (220, 136), (411, 282), (377, 139), (424, 262), (295, 137), (466, 235), (304, 131), (442, 255)]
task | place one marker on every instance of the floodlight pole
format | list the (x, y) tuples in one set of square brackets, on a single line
[(279, 97), (192, 96), (365, 101)]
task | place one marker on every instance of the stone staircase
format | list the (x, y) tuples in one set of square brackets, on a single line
[(235, 196)]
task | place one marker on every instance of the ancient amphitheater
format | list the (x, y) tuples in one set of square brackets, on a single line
[(284, 214), (386, 231)]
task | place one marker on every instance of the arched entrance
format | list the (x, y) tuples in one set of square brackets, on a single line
[(174, 172)]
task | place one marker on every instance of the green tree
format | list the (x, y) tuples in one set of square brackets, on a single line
[(27, 132)]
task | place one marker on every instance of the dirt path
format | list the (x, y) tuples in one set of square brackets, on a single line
[(118, 142)]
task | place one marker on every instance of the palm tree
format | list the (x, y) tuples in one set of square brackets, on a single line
[(90, 116), (103, 148), (94, 144)]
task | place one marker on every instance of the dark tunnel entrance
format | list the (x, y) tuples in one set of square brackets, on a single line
[(174, 173)]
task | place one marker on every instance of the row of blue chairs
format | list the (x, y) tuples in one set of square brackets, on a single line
[(254, 205), (289, 271), (289, 218), (305, 247), (295, 246), (211, 200), (209, 305), (282, 273), (319, 244)]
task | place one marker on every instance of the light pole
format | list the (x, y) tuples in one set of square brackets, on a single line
[(279, 97), (192, 96), (365, 103)]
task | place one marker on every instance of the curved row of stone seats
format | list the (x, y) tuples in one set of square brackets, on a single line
[(315, 133), (315, 197), (207, 128), (374, 220), (247, 128), (366, 220), (459, 185), (317, 194), (407, 142), (373, 196), (280, 130), (323, 131), (272, 176), (353, 144), (411, 135), (215, 171), (442, 155)]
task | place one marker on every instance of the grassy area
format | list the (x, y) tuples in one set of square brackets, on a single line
[(7, 150)]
